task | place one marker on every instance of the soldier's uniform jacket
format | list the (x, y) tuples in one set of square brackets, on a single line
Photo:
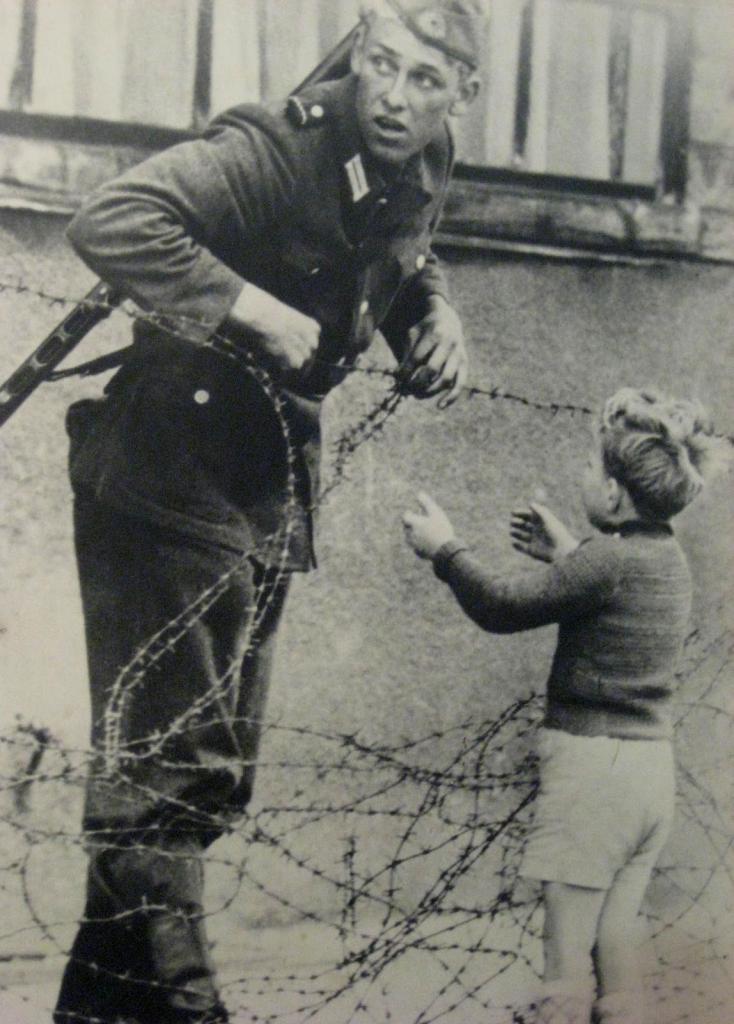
[(284, 197)]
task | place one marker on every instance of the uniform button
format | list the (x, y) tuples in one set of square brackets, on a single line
[(420, 262), (382, 201), (317, 111), (363, 307), (201, 397)]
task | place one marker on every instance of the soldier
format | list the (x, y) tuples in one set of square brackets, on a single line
[(298, 229)]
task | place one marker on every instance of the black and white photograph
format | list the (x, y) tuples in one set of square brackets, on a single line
[(366, 461)]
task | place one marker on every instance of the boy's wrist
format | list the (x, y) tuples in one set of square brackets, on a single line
[(564, 547), (444, 556)]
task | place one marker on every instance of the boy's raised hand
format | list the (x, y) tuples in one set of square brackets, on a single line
[(428, 530), (537, 532)]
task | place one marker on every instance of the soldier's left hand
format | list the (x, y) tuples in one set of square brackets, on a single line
[(437, 360)]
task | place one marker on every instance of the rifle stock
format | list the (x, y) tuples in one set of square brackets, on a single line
[(96, 306), (98, 303)]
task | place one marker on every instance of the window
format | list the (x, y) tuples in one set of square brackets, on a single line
[(589, 95), (590, 90), (171, 63)]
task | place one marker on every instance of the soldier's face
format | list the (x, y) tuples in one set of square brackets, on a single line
[(405, 90)]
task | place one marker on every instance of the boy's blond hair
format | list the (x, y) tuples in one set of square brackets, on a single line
[(661, 449)]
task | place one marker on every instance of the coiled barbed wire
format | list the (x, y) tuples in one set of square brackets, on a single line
[(447, 820)]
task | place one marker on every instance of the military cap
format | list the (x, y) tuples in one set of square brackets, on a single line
[(453, 26)]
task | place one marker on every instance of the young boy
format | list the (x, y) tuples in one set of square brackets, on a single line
[(622, 601)]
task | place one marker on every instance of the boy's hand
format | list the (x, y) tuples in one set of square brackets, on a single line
[(537, 532), (428, 530)]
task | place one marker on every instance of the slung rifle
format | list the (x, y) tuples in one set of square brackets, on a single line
[(98, 303)]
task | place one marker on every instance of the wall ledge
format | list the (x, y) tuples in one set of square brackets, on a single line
[(53, 176), (50, 176), (483, 210)]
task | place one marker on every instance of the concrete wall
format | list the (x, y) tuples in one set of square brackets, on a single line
[(372, 643)]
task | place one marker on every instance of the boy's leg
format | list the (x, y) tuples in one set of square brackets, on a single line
[(620, 1008), (619, 933), (560, 1005), (618, 948), (618, 940), (571, 918)]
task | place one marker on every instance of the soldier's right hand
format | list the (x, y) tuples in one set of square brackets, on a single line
[(286, 339)]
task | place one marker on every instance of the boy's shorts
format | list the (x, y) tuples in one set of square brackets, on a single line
[(604, 804)]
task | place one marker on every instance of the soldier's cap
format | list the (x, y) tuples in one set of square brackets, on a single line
[(453, 26)]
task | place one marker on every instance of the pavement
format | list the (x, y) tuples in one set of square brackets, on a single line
[(286, 975)]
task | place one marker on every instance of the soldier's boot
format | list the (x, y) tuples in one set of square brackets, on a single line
[(167, 884), (620, 1008), (182, 967), (563, 1004), (107, 969), (141, 955)]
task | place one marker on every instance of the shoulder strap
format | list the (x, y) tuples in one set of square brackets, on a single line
[(94, 366)]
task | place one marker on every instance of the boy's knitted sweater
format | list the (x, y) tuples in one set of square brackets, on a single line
[(622, 602)]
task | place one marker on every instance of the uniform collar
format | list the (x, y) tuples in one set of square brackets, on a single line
[(633, 527), (364, 181)]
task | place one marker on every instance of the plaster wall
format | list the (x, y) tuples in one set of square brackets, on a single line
[(372, 643)]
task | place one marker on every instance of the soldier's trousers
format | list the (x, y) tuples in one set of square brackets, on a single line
[(180, 641)]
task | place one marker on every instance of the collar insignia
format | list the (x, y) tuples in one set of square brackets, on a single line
[(357, 178), (297, 112)]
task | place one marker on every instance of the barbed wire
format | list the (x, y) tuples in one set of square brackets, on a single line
[(450, 806), (177, 327), (221, 342)]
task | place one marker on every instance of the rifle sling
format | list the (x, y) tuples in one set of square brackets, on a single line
[(93, 366)]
